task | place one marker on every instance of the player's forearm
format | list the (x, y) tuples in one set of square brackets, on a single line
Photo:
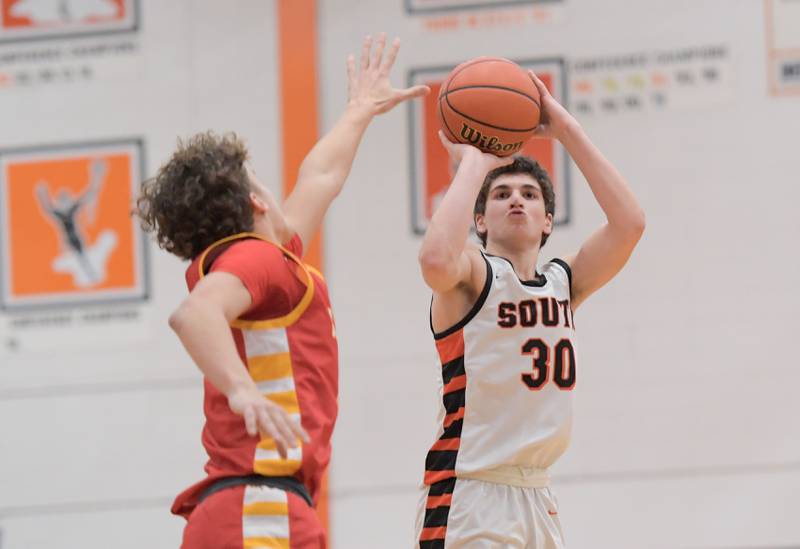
[(206, 336), (610, 189), (450, 225), (328, 163)]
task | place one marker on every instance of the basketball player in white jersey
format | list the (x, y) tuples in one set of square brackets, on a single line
[(506, 337)]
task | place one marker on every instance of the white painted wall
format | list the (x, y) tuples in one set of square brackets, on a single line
[(685, 433)]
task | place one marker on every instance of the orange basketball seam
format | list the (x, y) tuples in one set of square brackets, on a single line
[(444, 121), (482, 86), (471, 63), (455, 110)]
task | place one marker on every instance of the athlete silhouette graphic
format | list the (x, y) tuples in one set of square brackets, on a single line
[(85, 263)]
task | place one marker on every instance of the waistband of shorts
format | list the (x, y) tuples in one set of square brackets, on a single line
[(287, 484), (512, 475)]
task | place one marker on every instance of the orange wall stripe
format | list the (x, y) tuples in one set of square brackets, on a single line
[(297, 47)]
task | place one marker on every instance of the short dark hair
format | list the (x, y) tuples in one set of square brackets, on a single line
[(201, 195), (524, 165)]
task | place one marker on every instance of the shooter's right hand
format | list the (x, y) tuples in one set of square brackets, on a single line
[(459, 151)]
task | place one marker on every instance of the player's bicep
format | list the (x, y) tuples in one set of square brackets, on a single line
[(600, 258), (221, 291)]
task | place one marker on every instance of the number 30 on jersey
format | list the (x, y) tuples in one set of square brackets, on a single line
[(562, 359)]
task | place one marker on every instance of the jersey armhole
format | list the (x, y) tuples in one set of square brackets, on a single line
[(566, 268), (472, 312)]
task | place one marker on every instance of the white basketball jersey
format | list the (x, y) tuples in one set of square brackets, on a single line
[(508, 370)]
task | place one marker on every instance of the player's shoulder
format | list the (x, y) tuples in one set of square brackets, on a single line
[(253, 245), (250, 250), (558, 269), (295, 245)]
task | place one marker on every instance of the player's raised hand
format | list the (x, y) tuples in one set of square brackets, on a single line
[(262, 416), (457, 152), (555, 120), (369, 85)]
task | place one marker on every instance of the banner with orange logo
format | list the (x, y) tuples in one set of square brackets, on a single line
[(431, 171), (68, 237), (37, 19)]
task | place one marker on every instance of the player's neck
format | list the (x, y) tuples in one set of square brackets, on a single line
[(523, 259), (265, 229)]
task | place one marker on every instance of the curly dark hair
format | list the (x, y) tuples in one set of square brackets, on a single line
[(525, 165), (202, 194)]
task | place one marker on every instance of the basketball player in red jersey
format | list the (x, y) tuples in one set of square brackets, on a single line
[(258, 322), (505, 334)]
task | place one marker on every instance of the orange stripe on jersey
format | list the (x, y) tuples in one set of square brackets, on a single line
[(265, 543), (287, 401), (446, 444), (451, 347), (438, 501), (436, 476), (266, 508), (276, 467), (457, 383), (437, 532), (450, 418), (270, 367)]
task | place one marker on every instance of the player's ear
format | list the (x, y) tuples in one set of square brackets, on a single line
[(548, 223), (259, 206), (480, 223)]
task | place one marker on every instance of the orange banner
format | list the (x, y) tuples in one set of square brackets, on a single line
[(68, 236), (297, 42)]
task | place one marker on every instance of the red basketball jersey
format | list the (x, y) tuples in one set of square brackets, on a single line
[(287, 342)]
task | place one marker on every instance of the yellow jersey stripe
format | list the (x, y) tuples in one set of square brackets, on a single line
[(266, 543), (286, 400), (266, 508), (270, 367), (276, 467)]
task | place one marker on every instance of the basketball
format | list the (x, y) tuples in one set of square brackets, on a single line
[(491, 103)]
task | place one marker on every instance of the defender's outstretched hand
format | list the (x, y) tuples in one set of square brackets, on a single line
[(369, 86)]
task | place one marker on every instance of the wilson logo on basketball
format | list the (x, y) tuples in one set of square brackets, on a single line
[(493, 144)]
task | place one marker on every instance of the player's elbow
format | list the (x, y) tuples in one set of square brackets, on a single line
[(432, 260), (180, 317), (436, 271), (638, 223), (435, 252), (631, 227)]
